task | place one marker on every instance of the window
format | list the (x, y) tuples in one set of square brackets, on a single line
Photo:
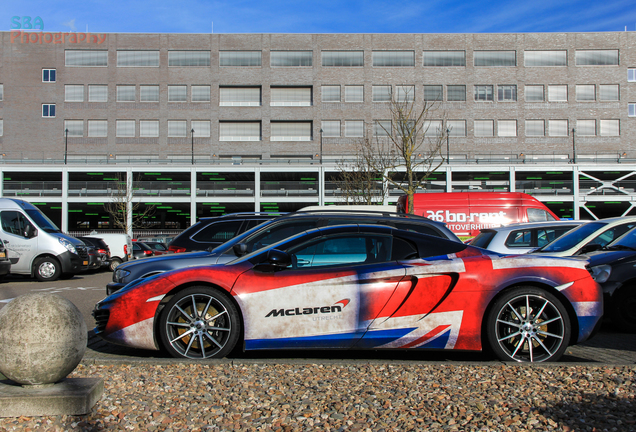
[(586, 127), (354, 128), (201, 128), (545, 58), (608, 92), (585, 92), (97, 128), (404, 93), (219, 231), (98, 93), (148, 128), (189, 58), (534, 93), (330, 93), (456, 93), (506, 93), (125, 128), (48, 110), (177, 128), (86, 58), (290, 131), (240, 96), (457, 128), (483, 93), (239, 131), (177, 93), (240, 58), (343, 58), (484, 128), (14, 222), (495, 58), (609, 128), (557, 93), (1, 92), (596, 57), (73, 93), (444, 58), (393, 58), (431, 128), (75, 128), (200, 93), (507, 128), (631, 75), (354, 93), (535, 128), (382, 128), (435, 93), (631, 109), (137, 58), (558, 128), (330, 128), (126, 93), (381, 93), (291, 58), (149, 93), (344, 251), (48, 75), (290, 96)]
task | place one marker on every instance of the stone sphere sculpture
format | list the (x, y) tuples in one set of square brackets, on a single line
[(42, 338)]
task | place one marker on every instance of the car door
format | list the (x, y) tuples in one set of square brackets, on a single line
[(20, 247), (335, 287)]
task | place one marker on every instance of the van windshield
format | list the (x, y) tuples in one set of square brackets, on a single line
[(42, 221)]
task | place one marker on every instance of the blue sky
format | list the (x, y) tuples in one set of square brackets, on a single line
[(325, 16)]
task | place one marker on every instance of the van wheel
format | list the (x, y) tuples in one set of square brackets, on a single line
[(47, 269), (114, 262)]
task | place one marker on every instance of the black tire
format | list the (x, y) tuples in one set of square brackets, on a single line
[(624, 309), (528, 324), (47, 269), (215, 325), (114, 262)]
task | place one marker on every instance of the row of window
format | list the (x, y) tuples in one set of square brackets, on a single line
[(302, 130), (350, 58), (302, 96)]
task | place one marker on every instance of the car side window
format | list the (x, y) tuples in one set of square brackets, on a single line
[(546, 235), (538, 215), (249, 224), (343, 250), (14, 222), (277, 233), (519, 239), (219, 231), (611, 234)]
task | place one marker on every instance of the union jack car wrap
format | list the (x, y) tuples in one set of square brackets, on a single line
[(361, 287)]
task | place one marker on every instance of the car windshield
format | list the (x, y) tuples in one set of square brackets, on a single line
[(628, 240), (572, 238), (42, 221)]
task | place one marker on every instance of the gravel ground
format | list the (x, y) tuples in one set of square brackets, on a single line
[(371, 396)]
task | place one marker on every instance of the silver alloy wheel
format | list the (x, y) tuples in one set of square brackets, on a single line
[(530, 327), (47, 269), (198, 326)]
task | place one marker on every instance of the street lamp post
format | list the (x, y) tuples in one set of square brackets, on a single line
[(192, 136), (447, 144), (573, 146), (65, 145)]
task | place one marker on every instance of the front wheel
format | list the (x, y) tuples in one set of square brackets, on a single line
[(199, 323), (114, 262), (528, 324), (47, 269)]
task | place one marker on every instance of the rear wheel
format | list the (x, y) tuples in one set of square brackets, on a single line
[(528, 324), (47, 269), (198, 323)]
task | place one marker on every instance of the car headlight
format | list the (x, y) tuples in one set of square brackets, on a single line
[(120, 274), (601, 273), (68, 245)]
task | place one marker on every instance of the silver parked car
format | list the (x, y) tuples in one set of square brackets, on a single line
[(521, 238)]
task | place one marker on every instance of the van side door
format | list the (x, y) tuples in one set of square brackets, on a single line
[(19, 240)]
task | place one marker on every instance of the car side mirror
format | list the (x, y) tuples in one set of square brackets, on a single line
[(276, 260), (240, 249), (30, 232)]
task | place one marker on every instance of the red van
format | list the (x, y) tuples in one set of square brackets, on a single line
[(465, 213)]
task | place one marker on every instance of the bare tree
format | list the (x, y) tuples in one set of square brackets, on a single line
[(407, 148), (358, 183), (126, 212)]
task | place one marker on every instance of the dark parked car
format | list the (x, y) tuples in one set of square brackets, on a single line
[(272, 232), (613, 268), (141, 250), (209, 233), (101, 248), (158, 248), (5, 264)]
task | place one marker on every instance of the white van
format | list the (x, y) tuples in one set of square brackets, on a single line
[(120, 246), (35, 246)]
